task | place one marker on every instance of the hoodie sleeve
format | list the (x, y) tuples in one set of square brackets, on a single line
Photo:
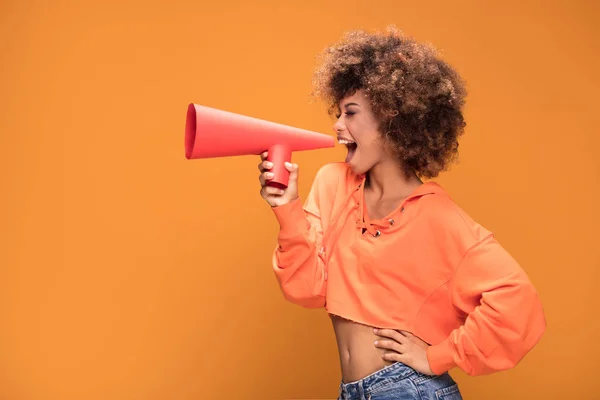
[(504, 315), (298, 261)]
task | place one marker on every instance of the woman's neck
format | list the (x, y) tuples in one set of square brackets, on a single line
[(388, 179)]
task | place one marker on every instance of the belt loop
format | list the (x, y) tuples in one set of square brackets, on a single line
[(361, 390)]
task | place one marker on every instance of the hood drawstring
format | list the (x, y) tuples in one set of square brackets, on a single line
[(366, 224), (363, 221), (371, 226)]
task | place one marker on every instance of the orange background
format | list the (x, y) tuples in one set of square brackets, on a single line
[(128, 272)]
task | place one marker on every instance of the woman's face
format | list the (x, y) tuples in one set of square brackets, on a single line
[(357, 129)]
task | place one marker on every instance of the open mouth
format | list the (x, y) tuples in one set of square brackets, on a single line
[(350, 145)]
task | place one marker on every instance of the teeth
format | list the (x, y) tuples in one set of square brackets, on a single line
[(344, 141)]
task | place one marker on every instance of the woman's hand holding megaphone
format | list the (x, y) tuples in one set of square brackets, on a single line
[(277, 197)]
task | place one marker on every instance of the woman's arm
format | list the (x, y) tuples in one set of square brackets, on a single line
[(297, 259), (505, 318)]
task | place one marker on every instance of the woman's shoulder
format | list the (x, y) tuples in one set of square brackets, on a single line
[(336, 175), (448, 217), (335, 169)]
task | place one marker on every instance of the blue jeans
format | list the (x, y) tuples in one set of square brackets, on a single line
[(400, 382)]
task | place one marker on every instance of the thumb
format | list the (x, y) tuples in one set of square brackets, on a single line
[(293, 180)]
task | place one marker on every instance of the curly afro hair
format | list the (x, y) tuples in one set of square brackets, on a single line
[(415, 95)]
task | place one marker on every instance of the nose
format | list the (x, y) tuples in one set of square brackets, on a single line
[(339, 126)]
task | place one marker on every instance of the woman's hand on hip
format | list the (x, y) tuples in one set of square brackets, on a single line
[(404, 347), (275, 196)]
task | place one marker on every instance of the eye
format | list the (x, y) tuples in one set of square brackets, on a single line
[(347, 113)]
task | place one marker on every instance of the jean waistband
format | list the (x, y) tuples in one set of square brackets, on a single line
[(393, 372)]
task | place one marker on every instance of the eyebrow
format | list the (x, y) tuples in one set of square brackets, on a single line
[(346, 106)]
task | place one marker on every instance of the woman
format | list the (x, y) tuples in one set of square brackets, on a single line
[(413, 285)]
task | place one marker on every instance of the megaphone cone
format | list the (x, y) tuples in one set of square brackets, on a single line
[(210, 133)]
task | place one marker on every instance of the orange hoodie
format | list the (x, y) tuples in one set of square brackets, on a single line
[(427, 268)]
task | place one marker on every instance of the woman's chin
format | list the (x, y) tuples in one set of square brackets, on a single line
[(353, 161), (356, 168)]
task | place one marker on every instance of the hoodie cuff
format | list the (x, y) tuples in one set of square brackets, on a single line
[(440, 357), (291, 217)]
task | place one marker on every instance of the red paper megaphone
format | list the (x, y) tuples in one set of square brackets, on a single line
[(213, 133)]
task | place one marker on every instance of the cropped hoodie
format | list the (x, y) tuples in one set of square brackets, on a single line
[(426, 268)]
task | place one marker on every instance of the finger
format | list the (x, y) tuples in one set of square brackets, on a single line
[(263, 155), (265, 165), (403, 358), (264, 177), (407, 334), (390, 333), (293, 168), (272, 191), (389, 345)]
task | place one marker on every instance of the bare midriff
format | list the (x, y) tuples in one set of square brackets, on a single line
[(358, 355)]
